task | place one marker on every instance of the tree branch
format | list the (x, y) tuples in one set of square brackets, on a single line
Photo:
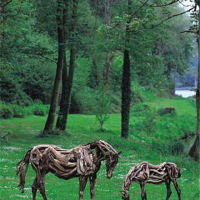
[(3, 6), (170, 17), (5, 17), (167, 4)]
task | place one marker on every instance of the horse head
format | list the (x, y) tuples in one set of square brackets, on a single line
[(104, 151), (111, 162)]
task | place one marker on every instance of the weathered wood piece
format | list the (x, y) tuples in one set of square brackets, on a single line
[(156, 174), (83, 161)]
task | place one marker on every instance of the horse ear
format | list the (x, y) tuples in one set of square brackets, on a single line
[(119, 152)]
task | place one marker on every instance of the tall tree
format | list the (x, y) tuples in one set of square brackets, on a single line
[(67, 79), (195, 149), (61, 29), (126, 82), (106, 72)]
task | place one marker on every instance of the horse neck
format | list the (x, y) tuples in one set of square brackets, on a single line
[(102, 149)]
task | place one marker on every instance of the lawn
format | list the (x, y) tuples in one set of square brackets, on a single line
[(83, 129)]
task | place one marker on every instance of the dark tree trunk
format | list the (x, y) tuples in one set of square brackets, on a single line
[(61, 59), (195, 149), (126, 96), (126, 84), (68, 80), (106, 72)]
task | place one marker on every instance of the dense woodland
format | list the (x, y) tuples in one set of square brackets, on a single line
[(94, 56), (29, 49)]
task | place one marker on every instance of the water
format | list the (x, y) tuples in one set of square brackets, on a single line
[(185, 93)]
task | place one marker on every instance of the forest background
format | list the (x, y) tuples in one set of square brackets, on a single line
[(29, 52)]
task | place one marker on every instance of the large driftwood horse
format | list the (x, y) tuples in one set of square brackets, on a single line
[(84, 162), (147, 173)]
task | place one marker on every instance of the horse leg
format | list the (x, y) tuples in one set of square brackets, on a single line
[(92, 186), (82, 184), (169, 192), (143, 192), (42, 187), (34, 189), (177, 189)]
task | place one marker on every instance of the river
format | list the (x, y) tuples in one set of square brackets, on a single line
[(184, 93)]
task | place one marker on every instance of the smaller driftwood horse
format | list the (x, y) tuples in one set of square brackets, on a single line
[(84, 162), (147, 173)]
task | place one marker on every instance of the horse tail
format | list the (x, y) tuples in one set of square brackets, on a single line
[(21, 169)]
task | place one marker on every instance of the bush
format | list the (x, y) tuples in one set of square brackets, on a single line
[(173, 148), (137, 92), (18, 111), (83, 101), (6, 112), (167, 110), (102, 107), (148, 122), (176, 148), (37, 110), (139, 108)]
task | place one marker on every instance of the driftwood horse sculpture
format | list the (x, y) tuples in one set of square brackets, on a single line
[(147, 173), (84, 162)]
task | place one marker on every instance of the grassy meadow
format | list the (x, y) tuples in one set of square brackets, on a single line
[(152, 138)]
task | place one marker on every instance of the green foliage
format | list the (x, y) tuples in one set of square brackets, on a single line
[(176, 148), (137, 92), (38, 110), (102, 106), (147, 122), (6, 112), (29, 45), (163, 111), (18, 111), (174, 125), (139, 108), (168, 148)]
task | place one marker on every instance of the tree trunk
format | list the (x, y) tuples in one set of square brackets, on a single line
[(107, 67), (195, 149), (126, 84), (61, 59), (68, 80)]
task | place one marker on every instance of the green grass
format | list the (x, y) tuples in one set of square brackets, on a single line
[(83, 129)]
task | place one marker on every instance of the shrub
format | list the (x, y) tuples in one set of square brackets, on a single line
[(37, 110), (140, 107), (167, 110), (18, 111), (137, 92), (176, 148), (102, 107), (6, 112), (172, 148), (147, 123)]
